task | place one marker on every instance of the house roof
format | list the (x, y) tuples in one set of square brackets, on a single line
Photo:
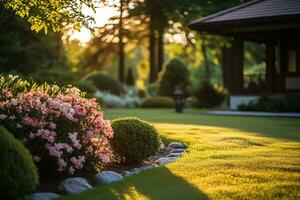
[(251, 13)]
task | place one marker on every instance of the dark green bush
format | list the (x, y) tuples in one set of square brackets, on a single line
[(56, 75), (105, 82), (158, 102), (142, 93), (62, 77), (134, 140), (17, 170), (208, 96), (152, 89), (174, 75), (130, 78), (86, 86), (273, 103)]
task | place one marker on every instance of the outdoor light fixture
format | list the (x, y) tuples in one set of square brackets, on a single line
[(179, 100)]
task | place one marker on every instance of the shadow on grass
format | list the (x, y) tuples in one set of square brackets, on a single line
[(156, 184), (283, 128)]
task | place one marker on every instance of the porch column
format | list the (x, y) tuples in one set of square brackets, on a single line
[(270, 67), (226, 64), (237, 57)]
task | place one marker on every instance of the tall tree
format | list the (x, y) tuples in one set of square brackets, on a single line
[(52, 14), (22, 50), (166, 14), (121, 44)]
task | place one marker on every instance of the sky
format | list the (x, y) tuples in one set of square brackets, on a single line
[(101, 16)]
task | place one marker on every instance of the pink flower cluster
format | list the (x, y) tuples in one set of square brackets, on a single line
[(66, 127)]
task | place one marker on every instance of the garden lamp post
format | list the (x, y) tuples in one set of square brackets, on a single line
[(179, 100)]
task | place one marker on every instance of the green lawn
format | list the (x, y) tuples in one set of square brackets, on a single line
[(228, 158)]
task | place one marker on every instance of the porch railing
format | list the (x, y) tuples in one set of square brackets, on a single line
[(254, 83)]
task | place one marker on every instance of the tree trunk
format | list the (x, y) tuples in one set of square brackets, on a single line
[(121, 46), (153, 71), (160, 49), (206, 64)]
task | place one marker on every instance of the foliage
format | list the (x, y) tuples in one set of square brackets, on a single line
[(209, 96), (109, 100), (107, 83), (152, 89), (142, 93), (175, 75), (130, 78), (158, 102), (17, 170), (23, 51), (273, 103), (52, 14), (56, 75), (57, 125), (134, 139), (61, 77), (86, 86)]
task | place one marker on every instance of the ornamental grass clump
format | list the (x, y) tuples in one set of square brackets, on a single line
[(134, 139), (59, 126)]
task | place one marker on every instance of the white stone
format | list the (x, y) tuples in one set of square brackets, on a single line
[(178, 150), (43, 196), (165, 160), (128, 173), (176, 145), (175, 155), (106, 177), (74, 185)]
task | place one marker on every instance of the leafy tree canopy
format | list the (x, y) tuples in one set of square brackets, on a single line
[(52, 14)]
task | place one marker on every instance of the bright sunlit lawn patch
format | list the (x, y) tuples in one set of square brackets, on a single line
[(228, 158)]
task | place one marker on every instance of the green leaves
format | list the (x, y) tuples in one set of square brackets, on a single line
[(52, 14)]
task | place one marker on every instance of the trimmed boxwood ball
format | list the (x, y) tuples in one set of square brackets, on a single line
[(18, 174), (134, 140)]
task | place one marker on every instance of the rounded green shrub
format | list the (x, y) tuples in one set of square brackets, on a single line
[(17, 170), (86, 86), (107, 83), (208, 95), (174, 75), (158, 102), (134, 140)]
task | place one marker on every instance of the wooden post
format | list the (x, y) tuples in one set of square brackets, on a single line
[(226, 67), (237, 58), (270, 67)]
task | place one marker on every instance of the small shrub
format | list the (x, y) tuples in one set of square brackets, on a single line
[(107, 83), (174, 75), (86, 86), (142, 93), (134, 139), (17, 170), (114, 101), (208, 96), (62, 77), (58, 125), (57, 75), (152, 89), (273, 103), (158, 102), (130, 78)]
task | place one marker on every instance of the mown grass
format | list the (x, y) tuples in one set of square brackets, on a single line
[(228, 158)]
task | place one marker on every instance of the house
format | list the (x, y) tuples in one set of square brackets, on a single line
[(274, 23)]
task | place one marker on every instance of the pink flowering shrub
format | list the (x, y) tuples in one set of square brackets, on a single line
[(57, 125)]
